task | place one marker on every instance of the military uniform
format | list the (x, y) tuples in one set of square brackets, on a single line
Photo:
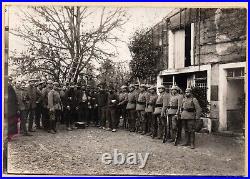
[(71, 113), (123, 96), (140, 108), (150, 106), (160, 106), (131, 105), (54, 105), (38, 111), (173, 114), (45, 110), (23, 107), (32, 95), (190, 111)]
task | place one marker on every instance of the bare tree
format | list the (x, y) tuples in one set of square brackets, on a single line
[(66, 39)]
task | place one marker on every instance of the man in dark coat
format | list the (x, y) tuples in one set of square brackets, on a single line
[(112, 110), (12, 111), (102, 98)]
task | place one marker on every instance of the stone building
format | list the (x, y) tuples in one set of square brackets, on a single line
[(206, 48)]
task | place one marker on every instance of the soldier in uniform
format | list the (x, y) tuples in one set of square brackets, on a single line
[(173, 112), (112, 110), (150, 105), (159, 112), (23, 106), (123, 96), (131, 105), (45, 110), (190, 111), (54, 105), (140, 108), (32, 95)]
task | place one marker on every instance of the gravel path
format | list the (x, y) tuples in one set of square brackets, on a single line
[(79, 152)]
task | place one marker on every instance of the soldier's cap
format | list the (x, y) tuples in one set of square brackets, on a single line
[(188, 90), (49, 82), (131, 86), (55, 83), (10, 78), (161, 87), (136, 84), (152, 88), (143, 86), (174, 87), (123, 87), (148, 85)]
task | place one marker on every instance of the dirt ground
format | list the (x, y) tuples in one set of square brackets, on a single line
[(79, 152)]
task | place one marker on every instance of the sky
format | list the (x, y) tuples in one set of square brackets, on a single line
[(139, 18)]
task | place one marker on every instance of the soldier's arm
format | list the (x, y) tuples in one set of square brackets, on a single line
[(197, 108), (165, 104)]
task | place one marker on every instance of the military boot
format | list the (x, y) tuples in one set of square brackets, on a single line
[(192, 140), (187, 139)]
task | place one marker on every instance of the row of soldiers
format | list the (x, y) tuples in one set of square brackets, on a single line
[(144, 111), (161, 115)]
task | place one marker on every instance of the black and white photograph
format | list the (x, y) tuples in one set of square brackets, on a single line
[(116, 89)]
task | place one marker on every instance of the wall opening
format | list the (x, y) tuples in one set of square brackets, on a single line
[(188, 45)]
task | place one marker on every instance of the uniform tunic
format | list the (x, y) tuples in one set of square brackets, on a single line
[(190, 109), (54, 100), (132, 97), (150, 104), (141, 101), (161, 103), (123, 98), (174, 104)]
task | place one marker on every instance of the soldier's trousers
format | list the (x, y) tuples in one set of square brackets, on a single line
[(94, 116), (176, 127), (140, 121), (189, 127), (131, 119), (170, 128), (102, 114), (38, 114), (69, 117), (23, 117), (112, 113), (123, 112), (54, 117), (45, 117), (82, 112), (149, 122), (161, 122), (154, 125), (31, 118)]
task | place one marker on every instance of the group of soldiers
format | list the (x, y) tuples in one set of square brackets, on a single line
[(159, 115)]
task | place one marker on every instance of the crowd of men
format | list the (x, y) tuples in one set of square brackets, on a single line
[(160, 115)]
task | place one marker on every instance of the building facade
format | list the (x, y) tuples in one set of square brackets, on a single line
[(206, 48)]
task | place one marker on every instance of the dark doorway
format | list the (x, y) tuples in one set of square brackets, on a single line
[(188, 45), (181, 81)]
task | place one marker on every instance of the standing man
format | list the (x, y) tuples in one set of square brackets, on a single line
[(190, 111), (150, 106), (54, 105), (159, 113), (102, 98), (112, 110), (32, 95), (140, 108), (131, 106), (173, 112), (123, 96), (83, 105), (39, 105), (45, 110), (23, 106)]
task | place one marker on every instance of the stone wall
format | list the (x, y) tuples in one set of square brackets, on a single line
[(222, 37)]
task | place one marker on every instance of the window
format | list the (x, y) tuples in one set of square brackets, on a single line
[(168, 82), (235, 73), (201, 79)]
